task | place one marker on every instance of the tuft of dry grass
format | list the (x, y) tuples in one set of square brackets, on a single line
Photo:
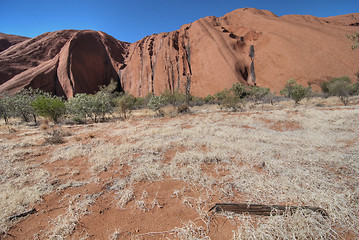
[(301, 225), (115, 235), (191, 232), (124, 197), (65, 224), (54, 137)]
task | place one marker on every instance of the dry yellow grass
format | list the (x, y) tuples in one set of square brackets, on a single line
[(302, 155)]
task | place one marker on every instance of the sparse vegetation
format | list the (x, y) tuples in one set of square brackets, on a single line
[(127, 170), (156, 103), (113, 170), (175, 98), (55, 136), (96, 105), (125, 103), (235, 98), (22, 104), (209, 99), (341, 87), (81, 106), (294, 91), (103, 100), (6, 108), (355, 39), (183, 108), (258, 94), (49, 106)]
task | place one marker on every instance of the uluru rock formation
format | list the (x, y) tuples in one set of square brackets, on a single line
[(202, 57), (7, 40), (63, 62)]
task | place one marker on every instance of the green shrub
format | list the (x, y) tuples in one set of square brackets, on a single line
[(232, 102), (341, 87), (49, 106), (22, 104), (229, 100), (286, 91), (240, 91), (103, 100), (80, 106), (220, 96), (6, 107), (175, 98), (294, 90), (258, 93), (196, 101), (148, 98), (299, 92), (78, 120), (94, 105), (209, 99), (235, 97), (156, 103), (125, 104), (139, 103)]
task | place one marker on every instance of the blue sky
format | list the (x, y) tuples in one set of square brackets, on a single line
[(132, 20)]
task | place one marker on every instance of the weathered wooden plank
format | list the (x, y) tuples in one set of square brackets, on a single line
[(264, 210), (24, 214)]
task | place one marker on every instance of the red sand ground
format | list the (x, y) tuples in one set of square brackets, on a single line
[(163, 211)]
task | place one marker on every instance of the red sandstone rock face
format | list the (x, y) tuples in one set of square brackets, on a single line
[(7, 40), (212, 53), (203, 57), (306, 48), (199, 57), (64, 62)]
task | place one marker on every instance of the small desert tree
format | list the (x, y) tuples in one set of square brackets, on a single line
[(294, 90), (81, 106), (175, 98), (258, 93), (103, 100), (125, 103), (221, 95), (341, 87), (230, 99), (6, 107), (288, 87), (22, 103), (101, 104), (240, 91), (93, 105), (49, 106)]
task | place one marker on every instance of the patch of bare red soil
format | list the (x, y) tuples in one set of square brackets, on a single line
[(282, 126)]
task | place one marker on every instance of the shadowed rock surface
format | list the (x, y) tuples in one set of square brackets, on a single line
[(63, 62), (205, 56), (7, 40)]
